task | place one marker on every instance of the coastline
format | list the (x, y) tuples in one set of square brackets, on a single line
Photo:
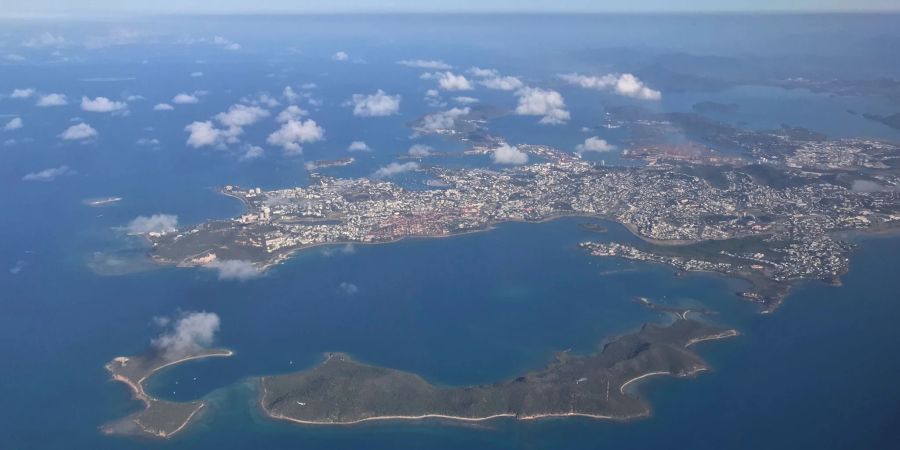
[(769, 301), (622, 389), (138, 393), (716, 337), (277, 416), (281, 256), (276, 401)]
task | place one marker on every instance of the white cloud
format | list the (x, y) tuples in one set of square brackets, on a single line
[(375, 105), (227, 44), (395, 168), (289, 94), (433, 99), (595, 144), (629, 85), (148, 142), (348, 288), (78, 132), (163, 107), (450, 81), (52, 100), (263, 99), (203, 134), (419, 151), (465, 100), (19, 265), (624, 84), (101, 104), (235, 269), (443, 120), (188, 334), (185, 98), (14, 57), (340, 56), (506, 154), (492, 79), (542, 102), (156, 223), (48, 174), (22, 93), (45, 39), (295, 132), (234, 120), (14, 124), (252, 152), (555, 117), (241, 115), (425, 64), (359, 146), (502, 83), (292, 112), (196, 74), (482, 73)]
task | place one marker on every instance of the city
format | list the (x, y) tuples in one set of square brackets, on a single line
[(778, 234)]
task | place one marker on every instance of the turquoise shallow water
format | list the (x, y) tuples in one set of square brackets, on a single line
[(819, 373)]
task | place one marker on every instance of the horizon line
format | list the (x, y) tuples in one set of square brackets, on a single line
[(150, 14)]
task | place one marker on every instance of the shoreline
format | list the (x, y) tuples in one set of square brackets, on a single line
[(639, 378), (138, 393), (767, 305), (281, 256), (222, 354), (693, 371), (277, 416), (186, 421), (455, 418), (716, 337)]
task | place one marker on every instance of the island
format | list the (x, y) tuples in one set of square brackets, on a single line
[(326, 163), (341, 391), (159, 418), (101, 201), (892, 120)]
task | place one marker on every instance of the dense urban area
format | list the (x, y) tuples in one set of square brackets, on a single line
[(763, 206)]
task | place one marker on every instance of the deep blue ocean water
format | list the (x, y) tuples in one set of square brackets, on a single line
[(819, 373)]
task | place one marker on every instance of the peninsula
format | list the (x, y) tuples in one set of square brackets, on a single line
[(159, 418), (771, 220)]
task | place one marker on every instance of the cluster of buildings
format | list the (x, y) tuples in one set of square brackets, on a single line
[(842, 154), (794, 223)]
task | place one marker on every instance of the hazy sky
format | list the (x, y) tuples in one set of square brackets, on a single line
[(95, 7)]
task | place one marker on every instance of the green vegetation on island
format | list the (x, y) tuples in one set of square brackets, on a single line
[(159, 418), (343, 391)]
